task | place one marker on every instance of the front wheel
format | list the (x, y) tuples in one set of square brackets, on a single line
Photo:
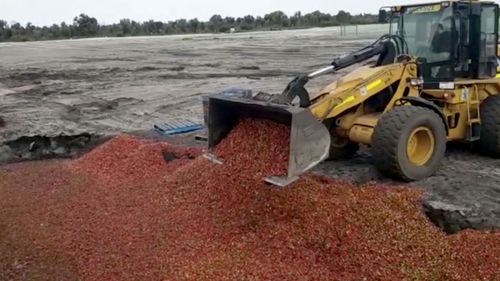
[(489, 143), (409, 143)]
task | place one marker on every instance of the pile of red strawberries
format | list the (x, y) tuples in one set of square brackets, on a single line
[(126, 211)]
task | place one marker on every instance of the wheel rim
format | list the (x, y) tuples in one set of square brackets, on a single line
[(420, 146)]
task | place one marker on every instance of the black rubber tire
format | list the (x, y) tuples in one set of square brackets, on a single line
[(489, 143), (343, 152), (391, 138)]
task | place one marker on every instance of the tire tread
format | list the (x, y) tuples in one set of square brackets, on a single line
[(489, 143), (386, 139)]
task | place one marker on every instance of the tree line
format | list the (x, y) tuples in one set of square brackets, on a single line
[(84, 26)]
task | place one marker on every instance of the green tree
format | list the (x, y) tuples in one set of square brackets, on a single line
[(182, 26), (194, 25), (296, 19), (277, 18), (17, 31), (343, 17), (54, 32), (246, 23), (86, 26), (215, 23), (65, 30), (5, 32), (125, 27)]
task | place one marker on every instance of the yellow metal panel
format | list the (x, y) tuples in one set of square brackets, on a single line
[(368, 120), (363, 128), (347, 101), (352, 89), (361, 134), (424, 9), (374, 85)]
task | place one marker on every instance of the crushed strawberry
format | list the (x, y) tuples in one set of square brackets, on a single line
[(137, 210)]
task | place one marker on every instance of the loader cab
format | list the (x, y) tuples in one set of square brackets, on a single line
[(451, 40)]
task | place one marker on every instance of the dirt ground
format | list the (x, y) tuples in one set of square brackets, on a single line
[(114, 85), (79, 92)]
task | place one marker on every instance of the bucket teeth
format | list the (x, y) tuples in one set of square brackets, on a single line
[(212, 158), (281, 181)]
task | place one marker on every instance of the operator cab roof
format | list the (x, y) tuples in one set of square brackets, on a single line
[(398, 8)]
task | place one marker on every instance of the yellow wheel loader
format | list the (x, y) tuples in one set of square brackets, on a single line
[(433, 79)]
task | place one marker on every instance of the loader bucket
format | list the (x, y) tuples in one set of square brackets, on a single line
[(309, 138)]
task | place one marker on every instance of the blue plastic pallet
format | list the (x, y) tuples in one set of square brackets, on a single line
[(177, 127)]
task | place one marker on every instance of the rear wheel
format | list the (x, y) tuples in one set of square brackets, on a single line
[(489, 143), (409, 143)]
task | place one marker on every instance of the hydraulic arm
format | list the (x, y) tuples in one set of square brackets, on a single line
[(386, 47)]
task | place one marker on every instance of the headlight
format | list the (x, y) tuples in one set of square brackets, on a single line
[(417, 82)]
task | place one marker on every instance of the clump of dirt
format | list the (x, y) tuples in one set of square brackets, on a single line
[(177, 68), (45, 147), (251, 67), (119, 214), (18, 78)]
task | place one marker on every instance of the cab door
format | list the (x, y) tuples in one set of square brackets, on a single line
[(485, 24)]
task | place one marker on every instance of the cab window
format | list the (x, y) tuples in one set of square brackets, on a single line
[(429, 32)]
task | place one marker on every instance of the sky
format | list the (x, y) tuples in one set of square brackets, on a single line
[(47, 12)]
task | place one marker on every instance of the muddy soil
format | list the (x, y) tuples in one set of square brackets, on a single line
[(60, 98)]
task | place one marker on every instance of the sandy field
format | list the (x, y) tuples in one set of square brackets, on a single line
[(110, 85), (74, 92)]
